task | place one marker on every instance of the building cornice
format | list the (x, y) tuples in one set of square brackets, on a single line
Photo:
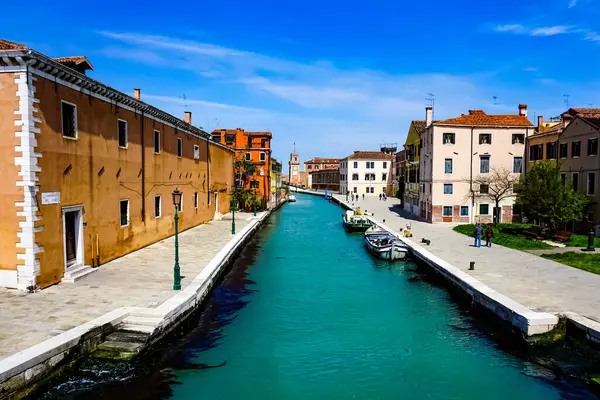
[(42, 65)]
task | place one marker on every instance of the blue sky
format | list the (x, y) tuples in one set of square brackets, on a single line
[(331, 76)]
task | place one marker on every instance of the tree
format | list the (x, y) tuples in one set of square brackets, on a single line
[(546, 199), (497, 185)]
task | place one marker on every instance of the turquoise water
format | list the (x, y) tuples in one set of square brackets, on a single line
[(316, 317)]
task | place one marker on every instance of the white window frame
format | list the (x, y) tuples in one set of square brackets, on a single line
[(522, 159), (451, 188), (484, 204), (451, 211), (489, 158), (196, 200), (179, 147), (263, 156), (62, 124), (461, 211), (156, 142), (119, 120), (248, 156), (451, 166), (572, 143), (159, 206), (128, 214), (196, 152), (559, 146), (587, 185)]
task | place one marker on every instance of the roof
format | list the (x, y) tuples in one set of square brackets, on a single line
[(480, 118), (592, 120), (369, 155), (77, 62), (268, 134), (419, 125), (595, 112), (320, 160), (8, 45)]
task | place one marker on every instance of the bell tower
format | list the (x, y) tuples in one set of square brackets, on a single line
[(294, 172)]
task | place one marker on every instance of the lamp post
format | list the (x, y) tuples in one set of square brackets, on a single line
[(232, 206), (176, 271)]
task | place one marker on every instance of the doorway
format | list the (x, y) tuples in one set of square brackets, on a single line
[(73, 237), (216, 204)]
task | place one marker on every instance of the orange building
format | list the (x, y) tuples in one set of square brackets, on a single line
[(87, 171), (254, 147)]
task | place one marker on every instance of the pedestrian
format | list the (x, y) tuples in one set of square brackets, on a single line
[(489, 234), (379, 196), (363, 196), (478, 234)]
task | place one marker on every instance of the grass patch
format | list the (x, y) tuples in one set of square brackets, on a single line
[(586, 261), (504, 235), (581, 241)]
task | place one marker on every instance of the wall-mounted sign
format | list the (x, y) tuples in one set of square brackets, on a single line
[(51, 198)]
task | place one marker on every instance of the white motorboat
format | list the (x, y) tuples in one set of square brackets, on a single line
[(291, 198), (384, 245)]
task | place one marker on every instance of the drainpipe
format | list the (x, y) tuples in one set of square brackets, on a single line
[(208, 171), (143, 169), (471, 181)]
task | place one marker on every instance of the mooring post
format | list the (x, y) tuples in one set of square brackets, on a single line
[(472, 266)]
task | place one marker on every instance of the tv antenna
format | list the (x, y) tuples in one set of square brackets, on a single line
[(431, 102), (184, 99), (294, 146), (495, 100), (566, 96)]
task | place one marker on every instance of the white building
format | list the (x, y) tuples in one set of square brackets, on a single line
[(366, 172), (458, 153)]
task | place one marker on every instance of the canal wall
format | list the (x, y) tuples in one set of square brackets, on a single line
[(25, 370)]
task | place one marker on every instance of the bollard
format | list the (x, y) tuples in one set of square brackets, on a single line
[(591, 236), (472, 266)]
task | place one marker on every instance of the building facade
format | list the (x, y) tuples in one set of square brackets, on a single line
[(459, 152), (89, 172), (412, 152), (326, 179), (318, 163), (294, 169), (255, 148), (365, 173), (276, 195), (400, 165)]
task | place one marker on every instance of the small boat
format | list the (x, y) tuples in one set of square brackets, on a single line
[(384, 245), (291, 198), (355, 221)]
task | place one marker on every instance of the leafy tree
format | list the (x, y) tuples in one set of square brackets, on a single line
[(498, 183), (545, 198), (245, 199)]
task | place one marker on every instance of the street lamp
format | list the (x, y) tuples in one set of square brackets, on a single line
[(232, 206), (176, 271)]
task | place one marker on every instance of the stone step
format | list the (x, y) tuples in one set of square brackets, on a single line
[(135, 328), (118, 350), (132, 337), (78, 273), (142, 320)]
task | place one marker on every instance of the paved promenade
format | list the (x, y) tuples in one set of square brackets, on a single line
[(535, 282), (140, 279)]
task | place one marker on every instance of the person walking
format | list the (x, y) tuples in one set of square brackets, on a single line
[(379, 196), (363, 196), (478, 234), (489, 234)]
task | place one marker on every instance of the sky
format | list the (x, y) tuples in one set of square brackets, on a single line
[(330, 76)]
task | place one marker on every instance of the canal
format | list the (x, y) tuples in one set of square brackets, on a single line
[(307, 313)]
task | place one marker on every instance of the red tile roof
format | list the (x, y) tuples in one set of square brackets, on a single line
[(419, 125), (589, 112), (480, 118), (267, 134), (79, 63), (369, 155), (320, 160), (8, 45)]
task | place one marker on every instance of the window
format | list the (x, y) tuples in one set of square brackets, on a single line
[(447, 211), (263, 156), (563, 148), (122, 133), (384, 177), (384, 164), (590, 216), (448, 189), (485, 138), (69, 120), (124, 205), (591, 183), (369, 177), (355, 164), (592, 147), (249, 141), (354, 177), (196, 152), (576, 149), (216, 138), (248, 156), (448, 138), (230, 138), (196, 200), (517, 165), (179, 147), (368, 164), (484, 189), (518, 138), (484, 164), (563, 178), (254, 184), (464, 211), (484, 209), (295, 158), (535, 152), (448, 166), (575, 180), (551, 150), (156, 141), (355, 190), (157, 207), (309, 166), (263, 143), (516, 209), (317, 166)]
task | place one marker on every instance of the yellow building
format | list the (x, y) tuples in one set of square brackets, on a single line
[(412, 148)]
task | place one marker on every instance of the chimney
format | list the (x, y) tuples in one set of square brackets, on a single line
[(540, 123), (523, 110), (187, 117), (137, 94), (566, 119), (428, 116)]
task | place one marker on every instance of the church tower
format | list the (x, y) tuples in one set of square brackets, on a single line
[(294, 172)]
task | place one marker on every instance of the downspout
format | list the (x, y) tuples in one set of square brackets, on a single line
[(471, 180), (143, 169), (208, 172)]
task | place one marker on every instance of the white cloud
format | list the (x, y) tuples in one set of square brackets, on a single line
[(514, 28), (593, 36), (572, 3), (530, 69), (551, 30), (547, 81)]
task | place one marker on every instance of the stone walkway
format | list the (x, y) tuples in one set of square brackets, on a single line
[(535, 282), (140, 279)]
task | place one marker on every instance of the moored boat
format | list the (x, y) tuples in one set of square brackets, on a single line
[(291, 198), (384, 245), (355, 221)]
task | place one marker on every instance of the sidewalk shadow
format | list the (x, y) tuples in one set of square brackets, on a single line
[(396, 209)]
